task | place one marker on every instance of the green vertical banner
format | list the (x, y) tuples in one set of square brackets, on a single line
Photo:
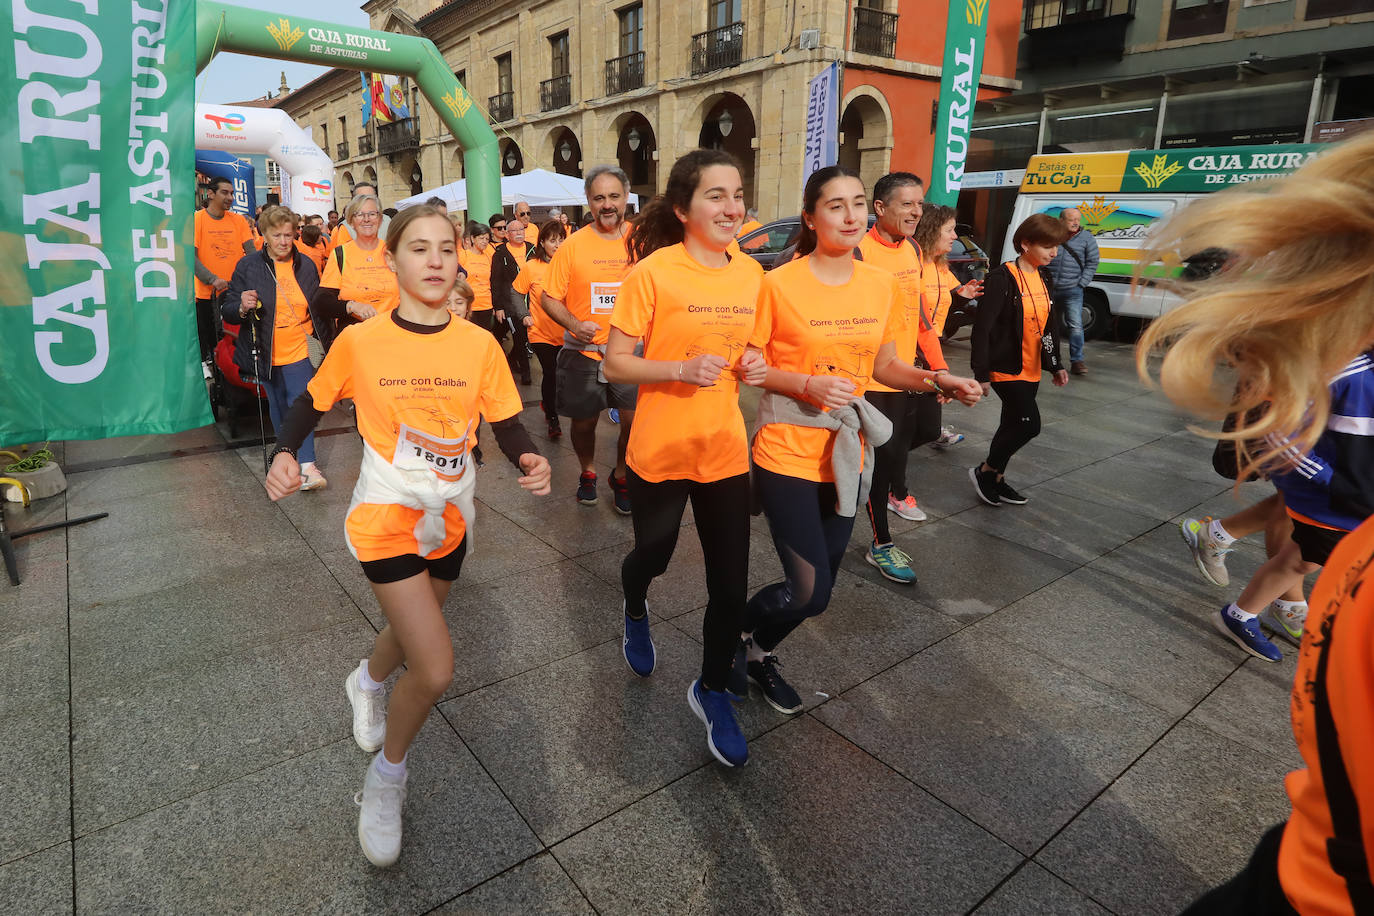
[(965, 35), (97, 326)]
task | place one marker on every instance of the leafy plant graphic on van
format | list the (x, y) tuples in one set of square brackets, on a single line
[(1118, 222), (1160, 171), (1093, 214)]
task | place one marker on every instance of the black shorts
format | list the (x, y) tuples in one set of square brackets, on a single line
[(1314, 542), (581, 394), (394, 569)]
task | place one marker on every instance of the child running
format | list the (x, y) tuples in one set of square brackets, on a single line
[(827, 326), (419, 380), (546, 335), (693, 306)]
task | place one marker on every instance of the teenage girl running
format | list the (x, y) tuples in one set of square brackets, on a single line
[(693, 307), (419, 379), (1292, 313), (826, 326), (476, 260), (546, 335)]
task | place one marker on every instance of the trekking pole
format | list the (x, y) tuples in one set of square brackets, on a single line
[(258, 391)]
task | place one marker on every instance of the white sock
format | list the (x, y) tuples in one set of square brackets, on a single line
[(391, 772), (1218, 533), (1289, 607), (366, 682), (1234, 611), (756, 654)]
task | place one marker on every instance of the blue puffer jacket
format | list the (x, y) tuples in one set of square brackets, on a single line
[(1076, 263)]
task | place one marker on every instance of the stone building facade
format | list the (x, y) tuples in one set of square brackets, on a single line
[(568, 84)]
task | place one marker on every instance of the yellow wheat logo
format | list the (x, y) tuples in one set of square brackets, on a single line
[(457, 101), (1158, 173), (285, 35), (1095, 213), (973, 11)]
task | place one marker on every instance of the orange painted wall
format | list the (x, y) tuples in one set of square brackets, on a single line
[(921, 38)]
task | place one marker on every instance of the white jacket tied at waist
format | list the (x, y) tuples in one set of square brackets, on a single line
[(382, 483)]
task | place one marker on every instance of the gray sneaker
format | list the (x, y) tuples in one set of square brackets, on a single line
[(1208, 553)]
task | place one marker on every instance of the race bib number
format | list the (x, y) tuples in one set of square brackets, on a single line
[(603, 297), (416, 450)]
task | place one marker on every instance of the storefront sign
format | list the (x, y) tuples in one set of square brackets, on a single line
[(1210, 169), (822, 121)]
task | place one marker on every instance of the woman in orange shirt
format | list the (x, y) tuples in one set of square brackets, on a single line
[(692, 306), (476, 260), (357, 285), (1015, 338), (1293, 310), (827, 326), (546, 335), (419, 379)]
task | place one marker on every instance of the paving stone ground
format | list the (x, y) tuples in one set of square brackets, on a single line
[(1045, 724)]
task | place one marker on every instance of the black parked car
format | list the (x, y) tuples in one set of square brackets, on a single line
[(966, 259)]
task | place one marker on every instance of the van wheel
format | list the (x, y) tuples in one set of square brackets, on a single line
[(1097, 318)]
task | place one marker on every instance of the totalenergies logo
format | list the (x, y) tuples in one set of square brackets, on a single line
[(232, 121), (974, 10), (319, 187)]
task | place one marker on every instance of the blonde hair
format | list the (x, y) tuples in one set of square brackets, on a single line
[(1291, 307), (274, 216), (356, 203)]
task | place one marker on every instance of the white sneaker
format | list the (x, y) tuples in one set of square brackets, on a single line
[(369, 712), (1287, 624), (947, 438), (379, 821), (311, 478), (1208, 553), (906, 508)]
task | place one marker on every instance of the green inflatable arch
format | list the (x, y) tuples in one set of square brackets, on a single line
[(220, 27)]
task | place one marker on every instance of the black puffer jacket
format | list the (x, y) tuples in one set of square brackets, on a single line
[(997, 330), (256, 272)]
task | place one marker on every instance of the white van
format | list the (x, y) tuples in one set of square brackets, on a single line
[(1120, 195)]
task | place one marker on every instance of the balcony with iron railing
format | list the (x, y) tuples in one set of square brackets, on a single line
[(365, 145), (341, 150), (400, 136), (875, 32), (1062, 33), (625, 73), (717, 49), (501, 107), (555, 93)]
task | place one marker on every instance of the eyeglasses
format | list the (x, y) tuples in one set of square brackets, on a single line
[(500, 228), (370, 215)]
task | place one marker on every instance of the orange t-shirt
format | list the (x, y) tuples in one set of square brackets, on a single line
[(316, 254), (1035, 311), (219, 245), (749, 226), (478, 266), (939, 284), (365, 277), (683, 309), (585, 275), (805, 326), (903, 261), (340, 235), (1341, 617), (292, 318), (530, 282), (531, 233), (419, 397)]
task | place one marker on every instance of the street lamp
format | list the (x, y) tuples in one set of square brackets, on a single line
[(510, 157), (725, 123), (565, 150), (633, 139), (415, 177)]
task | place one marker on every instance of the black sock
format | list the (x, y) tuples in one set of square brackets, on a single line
[(636, 609)]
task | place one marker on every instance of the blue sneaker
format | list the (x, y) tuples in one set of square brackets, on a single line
[(723, 736), (1247, 635), (893, 562), (638, 646), (615, 415)]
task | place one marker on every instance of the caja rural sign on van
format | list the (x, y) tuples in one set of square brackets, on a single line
[(1183, 171)]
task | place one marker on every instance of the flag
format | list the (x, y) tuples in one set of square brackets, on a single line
[(821, 147), (367, 99), (381, 108), (965, 36)]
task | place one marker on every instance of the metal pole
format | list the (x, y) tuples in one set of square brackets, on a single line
[(1313, 107)]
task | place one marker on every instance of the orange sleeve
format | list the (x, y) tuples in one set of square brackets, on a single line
[(500, 397), (763, 315), (928, 341), (523, 280), (634, 304), (560, 272), (333, 381), (331, 278)]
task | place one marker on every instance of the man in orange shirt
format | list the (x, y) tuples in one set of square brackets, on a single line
[(584, 278), (221, 238)]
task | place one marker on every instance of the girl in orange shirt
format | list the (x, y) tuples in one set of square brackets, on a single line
[(419, 379), (827, 326), (546, 335), (692, 306), (476, 260), (1015, 338)]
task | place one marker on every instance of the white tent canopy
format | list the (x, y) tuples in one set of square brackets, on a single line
[(537, 187)]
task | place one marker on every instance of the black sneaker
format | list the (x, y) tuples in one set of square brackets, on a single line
[(985, 485), (621, 489), (776, 691), (555, 429), (1008, 495), (739, 672)]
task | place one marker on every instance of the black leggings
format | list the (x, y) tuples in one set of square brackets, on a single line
[(915, 421), (518, 359), (1020, 422), (547, 354), (205, 327), (810, 537), (721, 509), (1256, 891)]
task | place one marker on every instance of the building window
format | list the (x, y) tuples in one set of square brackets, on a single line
[(273, 172), (558, 53), (720, 13), (1320, 9), (1046, 14), (462, 77), (556, 92), (631, 29), (324, 136), (501, 106), (1191, 18), (503, 73)]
